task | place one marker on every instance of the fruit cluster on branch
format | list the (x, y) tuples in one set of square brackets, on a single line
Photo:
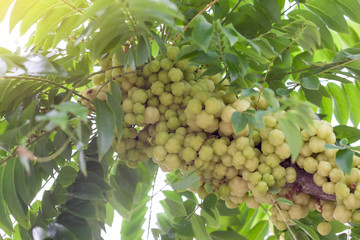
[(182, 119)]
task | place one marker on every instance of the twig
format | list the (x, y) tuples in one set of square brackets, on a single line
[(72, 6), (151, 204), (27, 145), (274, 58), (340, 65), (282, 216), (85, 78), (233, 9), (199, 13), (57, 153), (192, 213), (291, 6)]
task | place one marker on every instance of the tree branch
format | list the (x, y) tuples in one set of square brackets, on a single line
[(199, 13)]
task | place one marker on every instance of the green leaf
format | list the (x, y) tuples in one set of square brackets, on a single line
[(273, 10), (199, 229), (260, 230), (87, 191), (21, 178), (353, 96), (114, 102), (20, 9), (326, 37), (211, 217), (285, 201), (75, 108), (191, 180), (293, 137), (341, 106), (160, 43), (352, 134), (142, 51), (184, 228), (313, 96), (311, 83), (67, 176), (327, 108), (82, 208), (10, 195), (48, 205), (59, 232), (176, 208), (66, 26), (239, 121), (229, 33), (5, 222), (4, 8), (308, 230), (330, 14), (105, 124), (344, 160), (351, 8), (59, 139), (226, 235), (202, 34), (80, 227), (210, 201)]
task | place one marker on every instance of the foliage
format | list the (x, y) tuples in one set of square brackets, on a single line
[(295, 54)]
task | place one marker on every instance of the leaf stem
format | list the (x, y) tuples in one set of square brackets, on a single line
[(151, 204), (199, 13), (233, 9), (72, 6)]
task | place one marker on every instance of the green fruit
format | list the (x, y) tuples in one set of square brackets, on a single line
[(166, 64), (140, 96), (172, 52), (154, 66), (173, 145), (175, 74), (212, 105), (206, 153), (157, 88)]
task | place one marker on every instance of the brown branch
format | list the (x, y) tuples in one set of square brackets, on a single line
[(199, 13), (305, 183)]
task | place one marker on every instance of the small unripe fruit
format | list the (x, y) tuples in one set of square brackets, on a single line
[(173, 145), (342, 214), (204, 119), (276, 137), (172, 161), (139, 96), (166, 99), (206, 153), (324, 168), (151, 115), (157, 88), (175, 74), (220, 147), (172, 52), (324, 228), (227, 113), (316, 144), (212, 105), (166, 64)]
